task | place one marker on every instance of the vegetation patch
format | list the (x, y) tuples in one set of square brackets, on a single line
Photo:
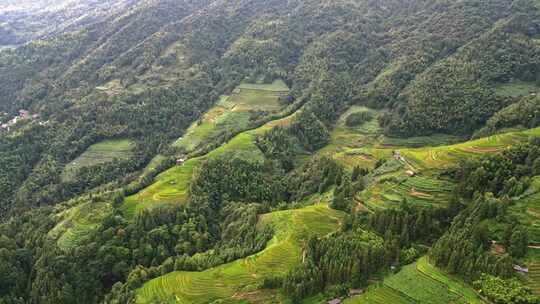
[(276, 86), (517, 88), (533, 278), (419, 283), (527, 210), (446, 156), (233, 113), (78, 222), (100, 153), (172, 186), (291, 229)]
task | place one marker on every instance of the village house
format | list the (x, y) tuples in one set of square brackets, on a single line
[(355, 292), (397, 156), (335, 301), (521, 270)]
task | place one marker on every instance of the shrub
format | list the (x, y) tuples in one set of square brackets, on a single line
[(358, 118)]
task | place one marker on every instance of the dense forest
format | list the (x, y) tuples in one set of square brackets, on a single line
[(147, 71)]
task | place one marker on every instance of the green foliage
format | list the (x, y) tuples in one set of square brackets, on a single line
[(509, 291), (100, 153), (524, 113), (463, 249), (358, 118), (149, 73), (506, 173)]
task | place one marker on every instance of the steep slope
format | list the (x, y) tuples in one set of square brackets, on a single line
[(317, 93)]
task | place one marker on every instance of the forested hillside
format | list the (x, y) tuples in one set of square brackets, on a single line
[(186, 151)]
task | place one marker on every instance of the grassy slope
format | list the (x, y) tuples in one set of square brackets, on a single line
[(172, 186), (76, 223), (445, 156), (276, 86), (516, 88), (527, 210), (390, 188), (100, 153), (533, 262), (232, 280), (232, 113), (419, 283)]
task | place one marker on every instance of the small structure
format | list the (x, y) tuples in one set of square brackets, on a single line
[(355, 292), (24, 113), (286, 98), (520, 269), (180, 161), (397, 156), (410, 173), (335, 301)]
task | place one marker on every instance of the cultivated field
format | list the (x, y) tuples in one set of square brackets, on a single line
[(236, 279), (389, 190), (445, 156), (232, 113), (172, 186), (419, 283), (527, 210), (276, 86), (77, 222), (533, 279), (100, 153)]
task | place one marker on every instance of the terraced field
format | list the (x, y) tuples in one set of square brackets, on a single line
[(77, 222), (527, 210), (100, 153), (291, 229), (391, 189), (344, 138), (533, 263), (419, 283), (534, 277), (381, 295), (445, 156), (232, 113), (276, 86), (172, 186)]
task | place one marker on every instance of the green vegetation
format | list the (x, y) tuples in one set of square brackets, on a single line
[(172, 186), (527, 210), (446, 156), (419, 283), (276, 86), (504, 291), (78, 223), (384, 94), (533, 279), (523, 114), (99, 153), (381, 295), (233, 114), (391, 189), (291, 230), (516, 88)]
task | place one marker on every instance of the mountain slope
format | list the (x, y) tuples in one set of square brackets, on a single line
[(142, 137)]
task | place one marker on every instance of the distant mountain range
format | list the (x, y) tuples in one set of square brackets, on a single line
[(22, 21)]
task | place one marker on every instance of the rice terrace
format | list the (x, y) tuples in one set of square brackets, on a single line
[(269, 152)]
